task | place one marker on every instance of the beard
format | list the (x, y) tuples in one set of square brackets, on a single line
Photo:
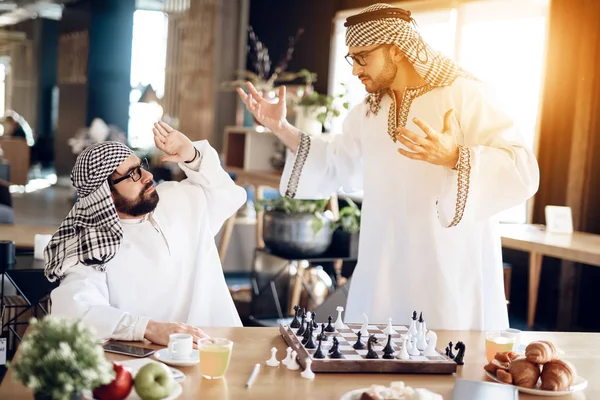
[(385, 78), (145, 203)]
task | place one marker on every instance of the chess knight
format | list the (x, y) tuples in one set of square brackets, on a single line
[(437, 160)]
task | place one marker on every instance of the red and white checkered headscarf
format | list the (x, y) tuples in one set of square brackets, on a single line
[(384, 24)]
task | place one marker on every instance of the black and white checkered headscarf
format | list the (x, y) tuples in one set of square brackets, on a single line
[(91, 233), (384, 24)]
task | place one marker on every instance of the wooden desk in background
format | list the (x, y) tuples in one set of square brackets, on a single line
[(253, 345), (24, 235), (577, 247)]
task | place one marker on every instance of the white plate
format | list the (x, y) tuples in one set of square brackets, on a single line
[(354, 394), (175, 394), (163, 355), (578, 384)]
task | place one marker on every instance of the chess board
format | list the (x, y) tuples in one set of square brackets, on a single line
[(355, 360)]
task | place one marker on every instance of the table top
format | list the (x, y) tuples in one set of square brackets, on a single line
[(252, 345), (578, 246), (24, 235)]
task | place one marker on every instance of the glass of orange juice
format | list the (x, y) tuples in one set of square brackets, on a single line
[(500, 342), (215, 354)]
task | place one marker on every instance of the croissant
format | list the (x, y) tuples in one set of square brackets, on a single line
[(540, 352), (506, 357), (557, 375), (504, 376), (495, 365), (524, 373)]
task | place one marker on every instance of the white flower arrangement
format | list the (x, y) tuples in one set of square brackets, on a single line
[(59, 358)]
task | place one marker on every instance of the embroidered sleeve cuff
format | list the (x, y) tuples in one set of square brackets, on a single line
[(301, 155), (461, 190)]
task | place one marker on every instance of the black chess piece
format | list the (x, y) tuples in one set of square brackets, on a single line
[(414, 316), (322, 336), (450, 353), (371, 353), (319, 352), (310, 341), (307, 332), (447, 351), (335, 352), (314, 319), (300, 330), (335, 343), (295, 324), (329, 327), (421, 320), (459, 359), (359, 345), (388, 350)]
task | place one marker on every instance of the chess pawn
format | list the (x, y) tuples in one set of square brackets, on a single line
[(288, 356), (272, 362), (403, 354), (414, 351), (431, 344), (339, 324), (308, 373), (293, 364)]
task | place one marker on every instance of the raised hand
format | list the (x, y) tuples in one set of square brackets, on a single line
[(158, 332), (439, 148), (270, 115), (177, 146)]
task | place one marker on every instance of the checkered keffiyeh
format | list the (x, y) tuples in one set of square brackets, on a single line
[(384, 24), (91, 233)]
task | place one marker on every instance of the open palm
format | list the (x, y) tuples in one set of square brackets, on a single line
[(271, 115)]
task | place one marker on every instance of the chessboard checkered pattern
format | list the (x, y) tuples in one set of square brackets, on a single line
[(347, 337)]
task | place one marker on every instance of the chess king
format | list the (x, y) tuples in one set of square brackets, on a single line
[(437, 160)]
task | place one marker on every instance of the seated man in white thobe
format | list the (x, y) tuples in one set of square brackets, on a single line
[(437, 159), (140, 262)]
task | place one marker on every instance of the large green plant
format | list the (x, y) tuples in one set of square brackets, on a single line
[(329, 106), (349, 220)]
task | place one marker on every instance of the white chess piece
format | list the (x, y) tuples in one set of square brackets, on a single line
[(308, 373), (288, 356), (421, 342), (339, 324), (414, 351), (293, 364), (272, 362), (364, 331), (412, 330), (389, 330), (403, 354), (431, 344), (408, 342)]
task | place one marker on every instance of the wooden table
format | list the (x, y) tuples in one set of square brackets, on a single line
[(252, 345), (577, 247), (24, 235)]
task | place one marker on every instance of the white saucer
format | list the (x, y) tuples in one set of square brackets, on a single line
[(164, 356)]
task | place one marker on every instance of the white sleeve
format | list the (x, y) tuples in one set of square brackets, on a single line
[(83, 294), (320, 168), (496, 170), (223, 196)]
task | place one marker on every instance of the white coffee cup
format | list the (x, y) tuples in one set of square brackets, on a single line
[(180, 346)]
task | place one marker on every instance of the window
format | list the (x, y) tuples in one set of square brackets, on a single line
[(148, 63), (502, 42)]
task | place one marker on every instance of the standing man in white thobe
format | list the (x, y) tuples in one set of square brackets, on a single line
[(140, 262), (436, 159)]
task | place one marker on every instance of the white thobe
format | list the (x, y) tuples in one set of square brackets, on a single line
[(167, 267), (408, 261)]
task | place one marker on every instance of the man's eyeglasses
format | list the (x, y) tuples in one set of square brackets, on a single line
[(361, 58), (135, 174)]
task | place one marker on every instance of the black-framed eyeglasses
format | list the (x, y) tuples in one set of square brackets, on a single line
[(361, 58), (135, 174)]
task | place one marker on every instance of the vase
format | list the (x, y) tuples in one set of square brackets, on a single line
[(44, 396)]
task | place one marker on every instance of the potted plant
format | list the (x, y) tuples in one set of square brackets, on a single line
[(316, 110), (296, 228), (345, 236), (60, 360)]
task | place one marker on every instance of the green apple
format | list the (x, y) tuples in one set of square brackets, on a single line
[(154, 381)]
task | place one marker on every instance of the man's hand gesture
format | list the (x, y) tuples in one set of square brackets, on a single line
[(437, 148), (270, 115), (177, 146)]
